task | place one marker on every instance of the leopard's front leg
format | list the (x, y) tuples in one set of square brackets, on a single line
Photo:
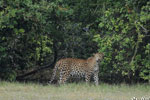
[(87, 77), (96, 78)]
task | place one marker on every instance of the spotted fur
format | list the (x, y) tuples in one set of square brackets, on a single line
[(78, 67)]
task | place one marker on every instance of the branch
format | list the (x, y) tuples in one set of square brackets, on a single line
[(135, 51), (145, 30), (35, 71)]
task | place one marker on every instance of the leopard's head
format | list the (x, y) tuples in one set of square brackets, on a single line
[(98, 56)]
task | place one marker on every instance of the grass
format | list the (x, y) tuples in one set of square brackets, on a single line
[(80, 91)]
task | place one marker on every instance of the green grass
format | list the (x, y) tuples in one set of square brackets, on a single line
[(80, 91)]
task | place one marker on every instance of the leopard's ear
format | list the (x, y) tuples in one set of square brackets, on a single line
[(94, 54), (101, 53)]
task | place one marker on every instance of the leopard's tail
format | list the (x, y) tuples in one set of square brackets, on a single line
[(54, 72)]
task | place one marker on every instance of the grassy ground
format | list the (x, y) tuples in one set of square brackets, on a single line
[(80, 91)]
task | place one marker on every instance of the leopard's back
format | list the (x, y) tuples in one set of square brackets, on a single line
[(73, 65)]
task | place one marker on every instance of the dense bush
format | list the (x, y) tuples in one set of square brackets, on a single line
[(124, 39), (32, 31)]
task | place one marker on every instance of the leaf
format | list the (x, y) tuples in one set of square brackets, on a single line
[(101, 25), (13, 13), (21, 30)]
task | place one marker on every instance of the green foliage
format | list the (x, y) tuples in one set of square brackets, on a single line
[(122, 41), (9, 75), (145, 70), (24, 40)]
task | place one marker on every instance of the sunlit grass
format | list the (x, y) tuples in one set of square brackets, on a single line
[(80, 91)]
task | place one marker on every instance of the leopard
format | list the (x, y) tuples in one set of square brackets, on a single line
[(85, 68)]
